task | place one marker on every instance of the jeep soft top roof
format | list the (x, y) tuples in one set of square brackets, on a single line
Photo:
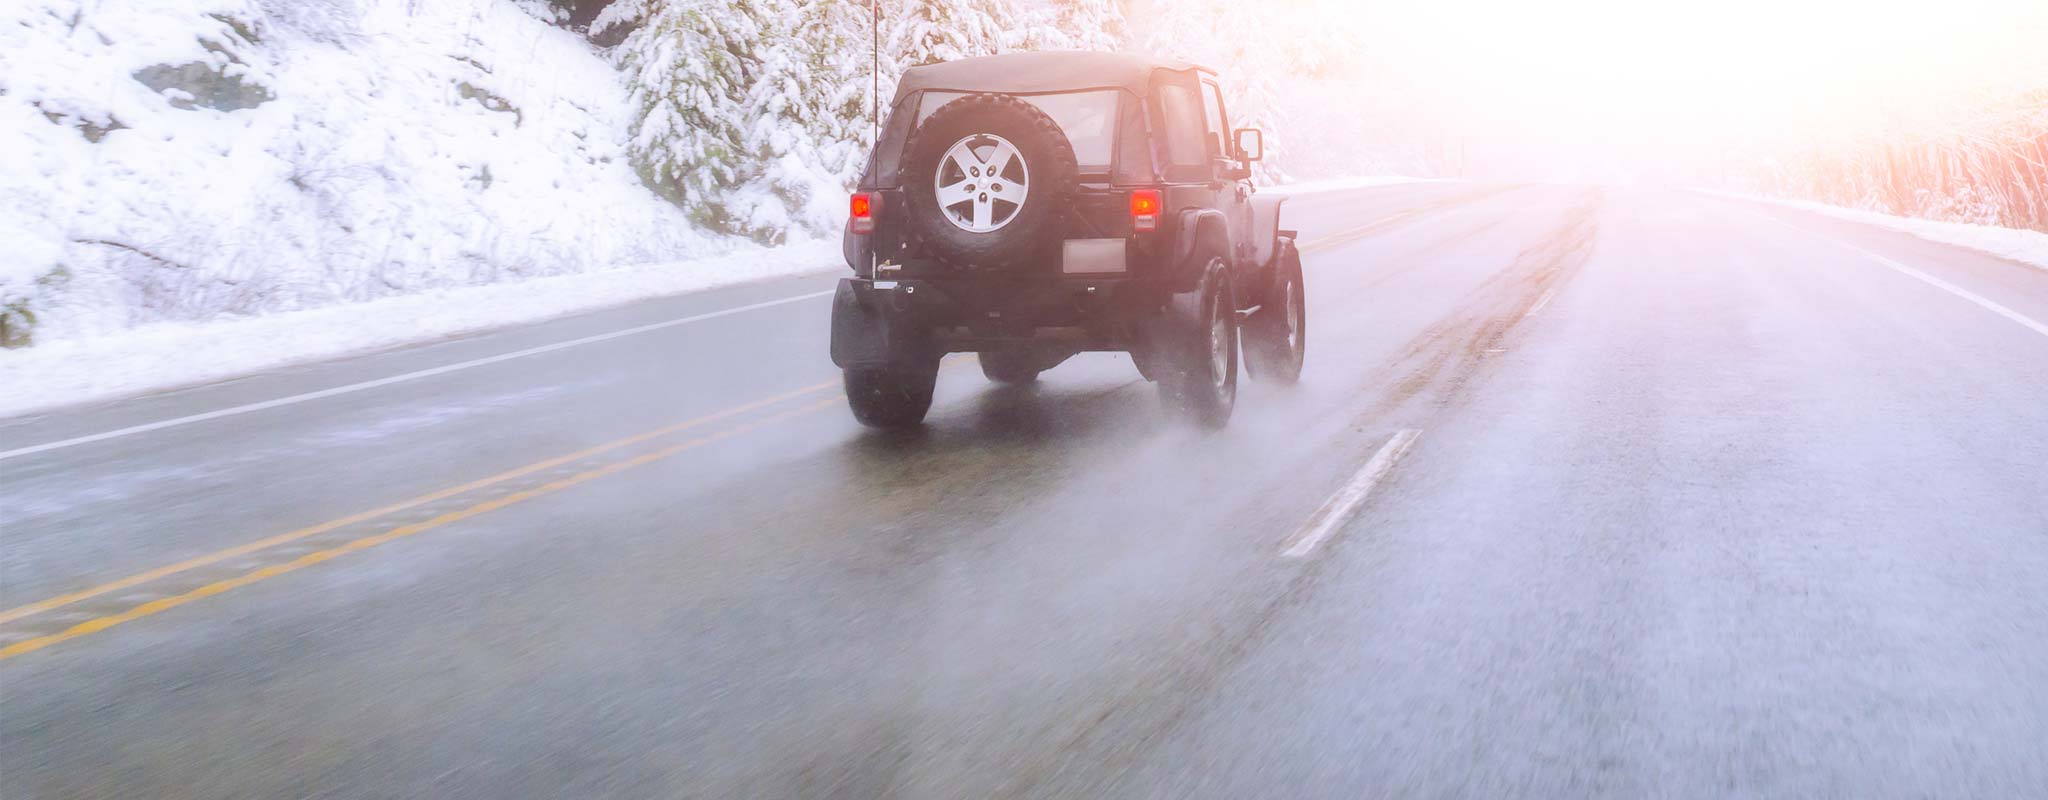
[(1027, 73)]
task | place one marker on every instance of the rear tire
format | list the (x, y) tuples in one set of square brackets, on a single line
[(1201, 385), (891, 398), (1276, 336), (1010, 368), (1146, 362)]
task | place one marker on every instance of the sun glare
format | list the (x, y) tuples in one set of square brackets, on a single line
[(1695, 77)]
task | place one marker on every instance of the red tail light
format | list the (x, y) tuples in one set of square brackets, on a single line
[(862, 211), (1145, 205)]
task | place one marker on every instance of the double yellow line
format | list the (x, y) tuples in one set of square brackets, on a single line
[(160, 605), (1353, 234)]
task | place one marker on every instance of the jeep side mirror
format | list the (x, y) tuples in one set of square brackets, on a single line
[(1251, 144)]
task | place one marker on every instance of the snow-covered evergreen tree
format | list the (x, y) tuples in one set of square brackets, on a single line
[(621, 18), (933, 31), (691, 65), (1068, 25), (1257, 55), (1093, 24), (840, 36), (755, 115), (775, 140), (805, 119)]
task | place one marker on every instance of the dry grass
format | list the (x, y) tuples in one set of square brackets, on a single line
[(1990, 169)]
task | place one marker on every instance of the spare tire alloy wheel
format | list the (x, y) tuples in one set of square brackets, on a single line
[(987, 179), (982, 183)]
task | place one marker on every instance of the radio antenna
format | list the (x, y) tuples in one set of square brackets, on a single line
[(875, 96)]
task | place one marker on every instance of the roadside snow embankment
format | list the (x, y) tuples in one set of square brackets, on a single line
[(172, 354), (182, 161), (2026, 247)]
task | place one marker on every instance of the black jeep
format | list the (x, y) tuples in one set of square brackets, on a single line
[(1031, 206)]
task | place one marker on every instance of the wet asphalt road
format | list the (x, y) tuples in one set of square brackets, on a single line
[(1705, 499)]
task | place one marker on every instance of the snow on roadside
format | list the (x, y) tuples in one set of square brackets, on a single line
[(178, 160), (2024, 246), (167, 355)]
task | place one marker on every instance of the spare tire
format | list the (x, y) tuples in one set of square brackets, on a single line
[(988, 179)]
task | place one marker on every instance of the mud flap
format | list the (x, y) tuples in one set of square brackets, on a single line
[(1173, 334), (866, 334)]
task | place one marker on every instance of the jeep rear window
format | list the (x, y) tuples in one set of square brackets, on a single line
[(1181, 127), (887, 157), (1219, 132), (1134, 150), (1088, 119)]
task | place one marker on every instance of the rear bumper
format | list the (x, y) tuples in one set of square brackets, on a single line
[(875, 322)]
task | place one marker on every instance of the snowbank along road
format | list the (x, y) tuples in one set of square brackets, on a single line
[(1584, 493)]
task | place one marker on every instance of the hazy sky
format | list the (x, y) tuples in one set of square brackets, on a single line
[(1620, 76)]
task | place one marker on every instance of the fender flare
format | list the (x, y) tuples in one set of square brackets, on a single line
[(1194, 228), (1266, 227)]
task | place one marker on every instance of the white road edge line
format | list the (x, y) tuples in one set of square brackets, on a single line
[(2036, 325), (1346, 501), (1540, 303), (409, 376)]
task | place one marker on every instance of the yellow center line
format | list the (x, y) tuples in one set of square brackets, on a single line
[(160, 605), (1345, 237), (291, 536)]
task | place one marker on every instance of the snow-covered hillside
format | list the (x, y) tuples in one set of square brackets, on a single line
[(188, 159)]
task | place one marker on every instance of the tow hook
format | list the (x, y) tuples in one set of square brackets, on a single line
[(899, 300)]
